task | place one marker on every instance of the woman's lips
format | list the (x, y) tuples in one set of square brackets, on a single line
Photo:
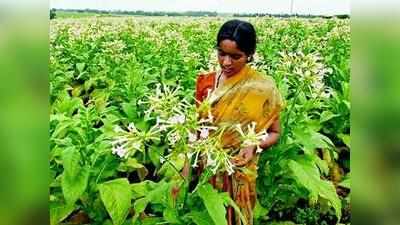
[(227, 71)]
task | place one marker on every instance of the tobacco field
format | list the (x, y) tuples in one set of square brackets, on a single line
[(122, 105)]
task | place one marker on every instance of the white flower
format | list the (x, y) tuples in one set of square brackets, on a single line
[(163, 128), (195, 160), (117, 129), (239, 129), (181, 119), (230, 170), (189, 155), (120, 151), (208, 92), (162, 160), (210, 160), (264, 136), (192, 137), (136, 145), (173, 120), (204, 133), (210, 117), (119, 140), (131, 127), (158, 121), (174, 138), (177, 119), (259, 149)]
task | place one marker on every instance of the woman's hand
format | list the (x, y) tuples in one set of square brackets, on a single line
[(245, 155)]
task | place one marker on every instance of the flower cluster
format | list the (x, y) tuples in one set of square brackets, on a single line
[(127, 142), (309, 69), (251, 137), (189, 130)]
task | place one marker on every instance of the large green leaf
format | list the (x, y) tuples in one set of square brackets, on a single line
[(139, 206), (345, 138), (171, 215), (345, 182), (80, 67), (214, 203), (75, 177), (156, 196), (116, 196), (141, 189), (259, 210), (59, 211), (311, 140), (326, 115), (307, 174), (168, 170), (200, 218)]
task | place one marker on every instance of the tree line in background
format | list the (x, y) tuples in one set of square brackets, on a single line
[(187, 13)]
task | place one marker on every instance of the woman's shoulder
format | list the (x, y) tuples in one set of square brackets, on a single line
[(262, 76)]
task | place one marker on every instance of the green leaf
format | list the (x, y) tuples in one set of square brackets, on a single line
[(116, 196), (154, 153), (307, 174), (157, 196), (311, 140), (141, 189), (75, 177), (214, 203), (345, 138), (131, 164), (200, 218), (80, 67), (152, 221), (62, 129), (171, 215), (169, 171), (129, 110), (322, 164), (139, 206), (326, 115), (59, 211), (345, 182), (259, 211)]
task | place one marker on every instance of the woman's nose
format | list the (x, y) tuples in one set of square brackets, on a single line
[(227, 61)]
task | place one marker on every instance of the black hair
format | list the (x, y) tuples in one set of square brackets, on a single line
[(242, 32)]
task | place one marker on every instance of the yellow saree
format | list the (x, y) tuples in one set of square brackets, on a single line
[(244, 98)]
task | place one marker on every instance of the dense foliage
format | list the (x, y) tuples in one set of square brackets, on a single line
[(102, 71)]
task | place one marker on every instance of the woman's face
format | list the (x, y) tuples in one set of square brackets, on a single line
[(230, 58)]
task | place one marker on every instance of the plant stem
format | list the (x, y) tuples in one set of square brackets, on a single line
[(284, 135)]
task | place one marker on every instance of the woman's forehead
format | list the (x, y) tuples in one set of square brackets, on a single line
[(229, 46)]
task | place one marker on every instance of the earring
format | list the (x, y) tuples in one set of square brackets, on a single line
[(249, 59)]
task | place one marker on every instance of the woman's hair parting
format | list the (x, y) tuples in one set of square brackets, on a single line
[(242, 32)]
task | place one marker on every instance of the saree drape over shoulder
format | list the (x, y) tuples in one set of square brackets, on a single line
[(244, 98)]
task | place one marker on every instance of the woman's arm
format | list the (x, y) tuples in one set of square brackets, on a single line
[(273, 134)]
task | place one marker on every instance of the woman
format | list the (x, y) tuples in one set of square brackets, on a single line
[(240, 95)]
